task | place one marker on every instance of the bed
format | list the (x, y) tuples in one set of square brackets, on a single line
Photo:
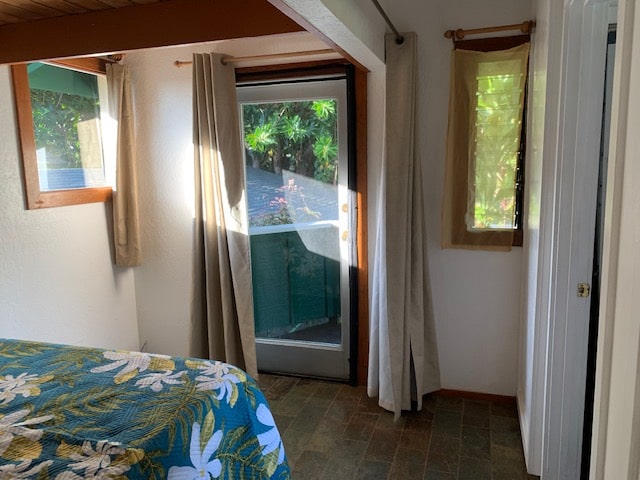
[(69, 413)]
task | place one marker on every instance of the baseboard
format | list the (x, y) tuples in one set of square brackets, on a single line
[(489, 397)]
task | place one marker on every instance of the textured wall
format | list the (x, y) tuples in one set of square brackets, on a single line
[(165, 152), (57, 281), (476, 294)]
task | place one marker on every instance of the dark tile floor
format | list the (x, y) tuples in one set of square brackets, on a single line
[(335, 431)]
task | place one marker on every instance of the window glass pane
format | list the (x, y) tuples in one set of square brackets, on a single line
[(293, 149), (66, 119), (497, 141)]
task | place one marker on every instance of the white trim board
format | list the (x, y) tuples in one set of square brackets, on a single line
[(616, 433), (552, 426), (585, 31)]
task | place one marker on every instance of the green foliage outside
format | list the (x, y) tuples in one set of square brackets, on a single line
[(55, 121), (297, 136), (498, 124)]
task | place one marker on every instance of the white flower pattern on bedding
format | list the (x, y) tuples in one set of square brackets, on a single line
[(270, 439), (25, 384), (156, 381), (203, 467), (217, 376), (22, 469), (133, 363), (12, 425), (96, 463)]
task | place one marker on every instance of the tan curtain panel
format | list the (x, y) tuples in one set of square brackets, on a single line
[(126, 229), (403, 357), (222, 326), (486, 102)]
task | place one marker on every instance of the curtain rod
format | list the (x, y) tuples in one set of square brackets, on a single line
[(226, 60), (399, 38), (459, 34)]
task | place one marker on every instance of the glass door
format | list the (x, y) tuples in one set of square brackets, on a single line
[(296, 157)]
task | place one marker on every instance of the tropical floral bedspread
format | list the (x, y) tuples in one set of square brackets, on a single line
[(69, 413)]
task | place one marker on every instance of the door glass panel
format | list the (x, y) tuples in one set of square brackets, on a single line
[(292, 192), (295, 146)]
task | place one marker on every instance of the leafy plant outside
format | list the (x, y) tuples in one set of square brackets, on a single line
[(298, 136), (498, 123), (55, 120)]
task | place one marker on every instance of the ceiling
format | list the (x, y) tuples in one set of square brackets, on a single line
[(45, 29), (18, 11)]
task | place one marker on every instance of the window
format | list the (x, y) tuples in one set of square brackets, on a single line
[(482, 208), (296, 140), (61, 109)]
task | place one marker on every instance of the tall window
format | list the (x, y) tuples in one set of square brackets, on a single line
[(61, 114), (485, 145)]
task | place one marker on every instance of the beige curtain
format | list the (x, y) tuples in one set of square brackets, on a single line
[(222, 325), (126, 230), (486, 102), (403, 357)]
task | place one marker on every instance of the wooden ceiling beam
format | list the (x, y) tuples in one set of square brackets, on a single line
[(172, 22)]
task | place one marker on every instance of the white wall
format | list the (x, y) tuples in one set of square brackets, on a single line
[(162, 96), (165, 153), (476, 294), (57, 280)]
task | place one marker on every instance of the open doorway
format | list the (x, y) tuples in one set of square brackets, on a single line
[(299, 167), (597, 257)]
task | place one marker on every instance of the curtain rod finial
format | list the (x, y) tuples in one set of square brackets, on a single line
[(528, 26), (455, 34), (399, 39)]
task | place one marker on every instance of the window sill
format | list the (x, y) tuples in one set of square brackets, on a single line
[(59, 198)]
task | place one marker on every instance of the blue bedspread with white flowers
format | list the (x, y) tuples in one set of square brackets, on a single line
[(69, 413)]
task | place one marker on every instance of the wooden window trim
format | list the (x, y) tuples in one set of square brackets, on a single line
[(460, 205), (94, 65), (290, 70), (35, 198)]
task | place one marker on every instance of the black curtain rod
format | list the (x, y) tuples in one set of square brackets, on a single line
[(399, 38)]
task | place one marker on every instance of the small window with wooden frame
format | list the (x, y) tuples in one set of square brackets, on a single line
[(484, 180), (61, 109)]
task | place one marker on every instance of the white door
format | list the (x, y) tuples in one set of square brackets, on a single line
[(296, 157)]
